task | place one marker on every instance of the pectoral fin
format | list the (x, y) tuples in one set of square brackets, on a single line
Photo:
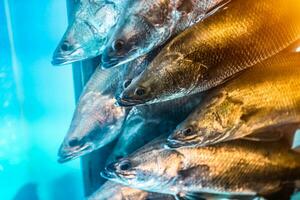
[(267, 136)]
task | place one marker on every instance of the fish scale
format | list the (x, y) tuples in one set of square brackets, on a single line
[(231, 157), (97, 120), (115, 191), (263, 97), (239, 167), (150, 24), (88, 33), (239, 35), (144, 123)]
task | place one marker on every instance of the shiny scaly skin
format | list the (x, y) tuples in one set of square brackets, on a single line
[(144, 123), (162, 19), (96, 111), (238, 167), (115, 191), (264, 96), (241, 34), (88, 33)]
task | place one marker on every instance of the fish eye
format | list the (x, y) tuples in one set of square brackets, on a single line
[(126, 83), (74, 142), (125, 165), (188, 131), (66, 46), (140, 91), (118, 45)]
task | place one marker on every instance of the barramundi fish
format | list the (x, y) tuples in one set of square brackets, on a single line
[(263, 97), (149, 24), (134, 68), (97, 119), (115, 191), (87, 35), (237, 169), (144, 123), (237, 36)]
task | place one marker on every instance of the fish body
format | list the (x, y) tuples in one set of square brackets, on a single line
[(237, 36), (265, 96), (97, 120), (240, 167), (115, 191), (149, 24), (87, 35), (144, 123)]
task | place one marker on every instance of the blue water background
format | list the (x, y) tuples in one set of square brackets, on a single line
[(36, 103)]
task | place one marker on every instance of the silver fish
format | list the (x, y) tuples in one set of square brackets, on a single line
[(265, 96), (149, 24), (144, 123), (97, 120), (87, 35), (115, 191), (237, 36), (236, 168)]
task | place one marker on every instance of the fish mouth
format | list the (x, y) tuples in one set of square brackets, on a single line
[(175, 144), (110, 63), (71, 155), (123, 102), (65, 61), (63, 58), (108, 174)]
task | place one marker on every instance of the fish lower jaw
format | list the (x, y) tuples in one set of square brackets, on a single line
[(75, 154)]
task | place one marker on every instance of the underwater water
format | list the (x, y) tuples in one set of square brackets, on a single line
[(36, 103)]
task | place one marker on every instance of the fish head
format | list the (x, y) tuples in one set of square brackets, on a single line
[(97, 121), (87, 35), (146, 25), (133, 39), (218, 119), (149, 168), (155, 84), (184, 136), (136, 94), (130, 71)]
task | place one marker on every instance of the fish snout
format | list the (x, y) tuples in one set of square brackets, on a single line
[(72, 149), (128, 100), (108, 60), (123, 102), (115, 54), (111, 167), (63, 54), (172, 144), (109, 171)]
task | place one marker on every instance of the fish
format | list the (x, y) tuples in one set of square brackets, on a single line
[(133, 69), (145, 123), (115, 191), (263, 97), (238, 168), (237, 36), (97, 119), (149, 24), (88, 33)]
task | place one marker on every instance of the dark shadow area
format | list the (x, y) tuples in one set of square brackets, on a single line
[(65, 188), (27, 192)]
